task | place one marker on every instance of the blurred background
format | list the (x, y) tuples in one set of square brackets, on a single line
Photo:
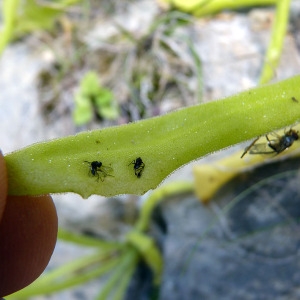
[(73, 66)]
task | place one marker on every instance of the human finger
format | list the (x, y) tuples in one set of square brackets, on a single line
[(28, 232)]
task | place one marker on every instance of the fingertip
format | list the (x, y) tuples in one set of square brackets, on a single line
[(28, 235)]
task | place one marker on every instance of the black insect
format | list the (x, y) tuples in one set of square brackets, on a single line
[(283, 142), (295, 100), (278, 145), (97, 169), (138, 167)]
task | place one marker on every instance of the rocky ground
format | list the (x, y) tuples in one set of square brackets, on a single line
[(247, 250)]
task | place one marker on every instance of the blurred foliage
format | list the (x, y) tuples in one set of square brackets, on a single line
[(274, 51), (155, 65), (202, 8), (115, 262), (91, 94), (36, 15), (23, 17)]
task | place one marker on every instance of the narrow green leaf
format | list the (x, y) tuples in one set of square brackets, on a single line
[(69, 275), (207, 7), (128, 262), (86, 241), (276, 43), (124, 282), (164, 144), (9, 16)]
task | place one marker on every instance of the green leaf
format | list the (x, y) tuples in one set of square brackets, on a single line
[(83, 111), (207, 7), (34, 15), (9, 16), (125, 267), (89, 85), (104, 97), (85, 240), (164, 144), (275, 47), (71, 274), (23, 17), (109, 113)]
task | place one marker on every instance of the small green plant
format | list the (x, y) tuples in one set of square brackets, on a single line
[(92, 95)]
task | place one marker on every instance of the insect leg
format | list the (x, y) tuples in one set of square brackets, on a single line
[(270, 144), (249, 147)]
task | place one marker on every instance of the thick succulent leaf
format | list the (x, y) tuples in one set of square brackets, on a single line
[(164, 143)]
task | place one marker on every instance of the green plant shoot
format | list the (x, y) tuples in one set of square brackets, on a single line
[(91, 95), (164, 144), (276, 43), (206, 7)]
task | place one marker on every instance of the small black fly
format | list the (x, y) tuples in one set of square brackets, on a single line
[(138, 167), (283, 142), (278, 145), (97, 169)]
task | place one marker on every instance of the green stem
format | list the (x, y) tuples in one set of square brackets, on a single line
[(164, 144), (9, 15), (173, 188), (148, 250), (207, 7), (276, 43)]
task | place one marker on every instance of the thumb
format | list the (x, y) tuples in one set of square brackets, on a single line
[(28, 232)]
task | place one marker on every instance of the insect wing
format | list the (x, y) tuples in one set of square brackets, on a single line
[(261, 148), (106, 170)]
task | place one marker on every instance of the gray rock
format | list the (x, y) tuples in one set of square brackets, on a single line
[(243, 245)]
